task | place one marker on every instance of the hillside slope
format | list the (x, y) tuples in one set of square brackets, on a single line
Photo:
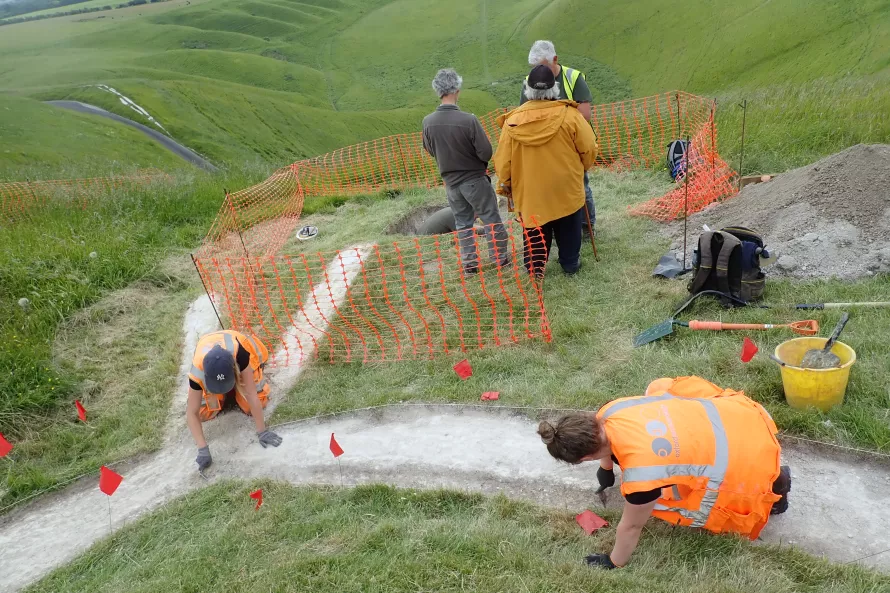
[(48, 140), (283, 79)]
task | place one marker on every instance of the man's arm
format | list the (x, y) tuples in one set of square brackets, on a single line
[(583, 97), (256, 408), (585, 143), (627, 536), (481, 142), (502, 164), (427, 145), (192, 409)]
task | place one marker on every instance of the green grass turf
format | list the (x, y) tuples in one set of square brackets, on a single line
[(594, 317), (278, 80), (376, 539), (40, 141), (118, 356)]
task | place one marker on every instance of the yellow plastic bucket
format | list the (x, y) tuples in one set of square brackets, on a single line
[(817, 388)]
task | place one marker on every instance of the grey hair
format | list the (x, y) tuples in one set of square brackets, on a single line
[(541, 51), (540, 94), (447, 82)]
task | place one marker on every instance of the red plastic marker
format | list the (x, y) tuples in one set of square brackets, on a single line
[(109, 480), (463, 369), (257, 495), (336, 449), (590, 522), (81, 411), (5, 446), (749, 349), (490, 396)]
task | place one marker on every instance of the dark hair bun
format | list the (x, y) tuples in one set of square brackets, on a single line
[(547, 432)]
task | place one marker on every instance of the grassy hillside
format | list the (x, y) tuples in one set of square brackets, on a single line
[(38, 140), (283, 79)]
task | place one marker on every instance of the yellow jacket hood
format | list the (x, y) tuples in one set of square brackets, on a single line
[(536, 122)]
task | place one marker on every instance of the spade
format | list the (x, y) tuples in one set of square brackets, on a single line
[(824, 358)]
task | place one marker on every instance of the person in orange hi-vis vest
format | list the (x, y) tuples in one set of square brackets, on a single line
[(690, 454), (227, 370)]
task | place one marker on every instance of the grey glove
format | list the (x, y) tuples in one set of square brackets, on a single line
[(203, 460), (267, 437)]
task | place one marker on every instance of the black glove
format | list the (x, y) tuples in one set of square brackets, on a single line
[(267, 437), (600, 561), (606, 478), (203, 459)]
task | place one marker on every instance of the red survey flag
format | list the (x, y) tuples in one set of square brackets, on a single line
[(490, 396), (109, 480), (5, 446), (336, 449), (749, 349), (81, 411), (463, 369), (590, 522), (257, 495)]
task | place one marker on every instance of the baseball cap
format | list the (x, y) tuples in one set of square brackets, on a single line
[(541, 78), (219, 370)]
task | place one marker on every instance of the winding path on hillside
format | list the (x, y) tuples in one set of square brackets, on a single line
[(170, 144), (835, 508)]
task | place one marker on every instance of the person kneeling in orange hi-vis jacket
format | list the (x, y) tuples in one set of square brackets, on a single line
[(227, 369), (690, 454)]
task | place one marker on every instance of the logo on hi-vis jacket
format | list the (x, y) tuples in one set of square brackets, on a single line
[(661, 446)]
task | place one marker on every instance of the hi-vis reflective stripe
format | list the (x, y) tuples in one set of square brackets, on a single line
[(660, 472), (230, 343), (261, 384), (253, 345), (635, 402), (715, 472), (197, 373), (570, 77)]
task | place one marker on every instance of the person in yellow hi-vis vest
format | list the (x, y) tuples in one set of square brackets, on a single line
[(572, 87), (690, 453), (227, 370)]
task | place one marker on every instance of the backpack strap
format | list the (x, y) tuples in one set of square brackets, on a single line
[(706, 263), (729, 243)]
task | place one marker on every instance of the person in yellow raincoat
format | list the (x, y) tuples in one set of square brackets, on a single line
[(545, 147)]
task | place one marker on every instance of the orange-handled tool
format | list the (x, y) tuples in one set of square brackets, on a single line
[(809, 327)]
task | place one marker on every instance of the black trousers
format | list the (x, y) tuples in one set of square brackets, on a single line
[(567, 232)]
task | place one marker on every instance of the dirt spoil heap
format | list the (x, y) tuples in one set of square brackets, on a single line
[(828, 219)]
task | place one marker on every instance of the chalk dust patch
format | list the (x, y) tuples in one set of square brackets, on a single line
[(828, 219)]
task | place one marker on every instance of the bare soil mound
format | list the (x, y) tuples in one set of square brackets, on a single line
[(828, 219)]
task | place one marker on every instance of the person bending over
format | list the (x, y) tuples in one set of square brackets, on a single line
[(227, 370), (690, 453)]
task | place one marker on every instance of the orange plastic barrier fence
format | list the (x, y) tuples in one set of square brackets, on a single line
[(18, 197), (409, 299)]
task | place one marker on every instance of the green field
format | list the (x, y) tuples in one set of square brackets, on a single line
[(277, 80), (253, 85), (40, 141), (379, 539)]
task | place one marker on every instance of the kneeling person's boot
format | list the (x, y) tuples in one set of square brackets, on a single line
[(782, 486)]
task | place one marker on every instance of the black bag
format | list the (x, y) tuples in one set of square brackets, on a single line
[(676, 158), (728, 261)]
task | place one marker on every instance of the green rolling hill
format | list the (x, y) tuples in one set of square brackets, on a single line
[(278, 80)]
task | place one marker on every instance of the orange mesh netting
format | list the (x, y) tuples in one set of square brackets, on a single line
[(18, 197), (411, 298), (408, 299)]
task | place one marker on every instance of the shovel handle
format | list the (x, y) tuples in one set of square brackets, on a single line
[(719, 325)]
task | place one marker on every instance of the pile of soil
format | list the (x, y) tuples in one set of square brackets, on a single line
[(829, 219)]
